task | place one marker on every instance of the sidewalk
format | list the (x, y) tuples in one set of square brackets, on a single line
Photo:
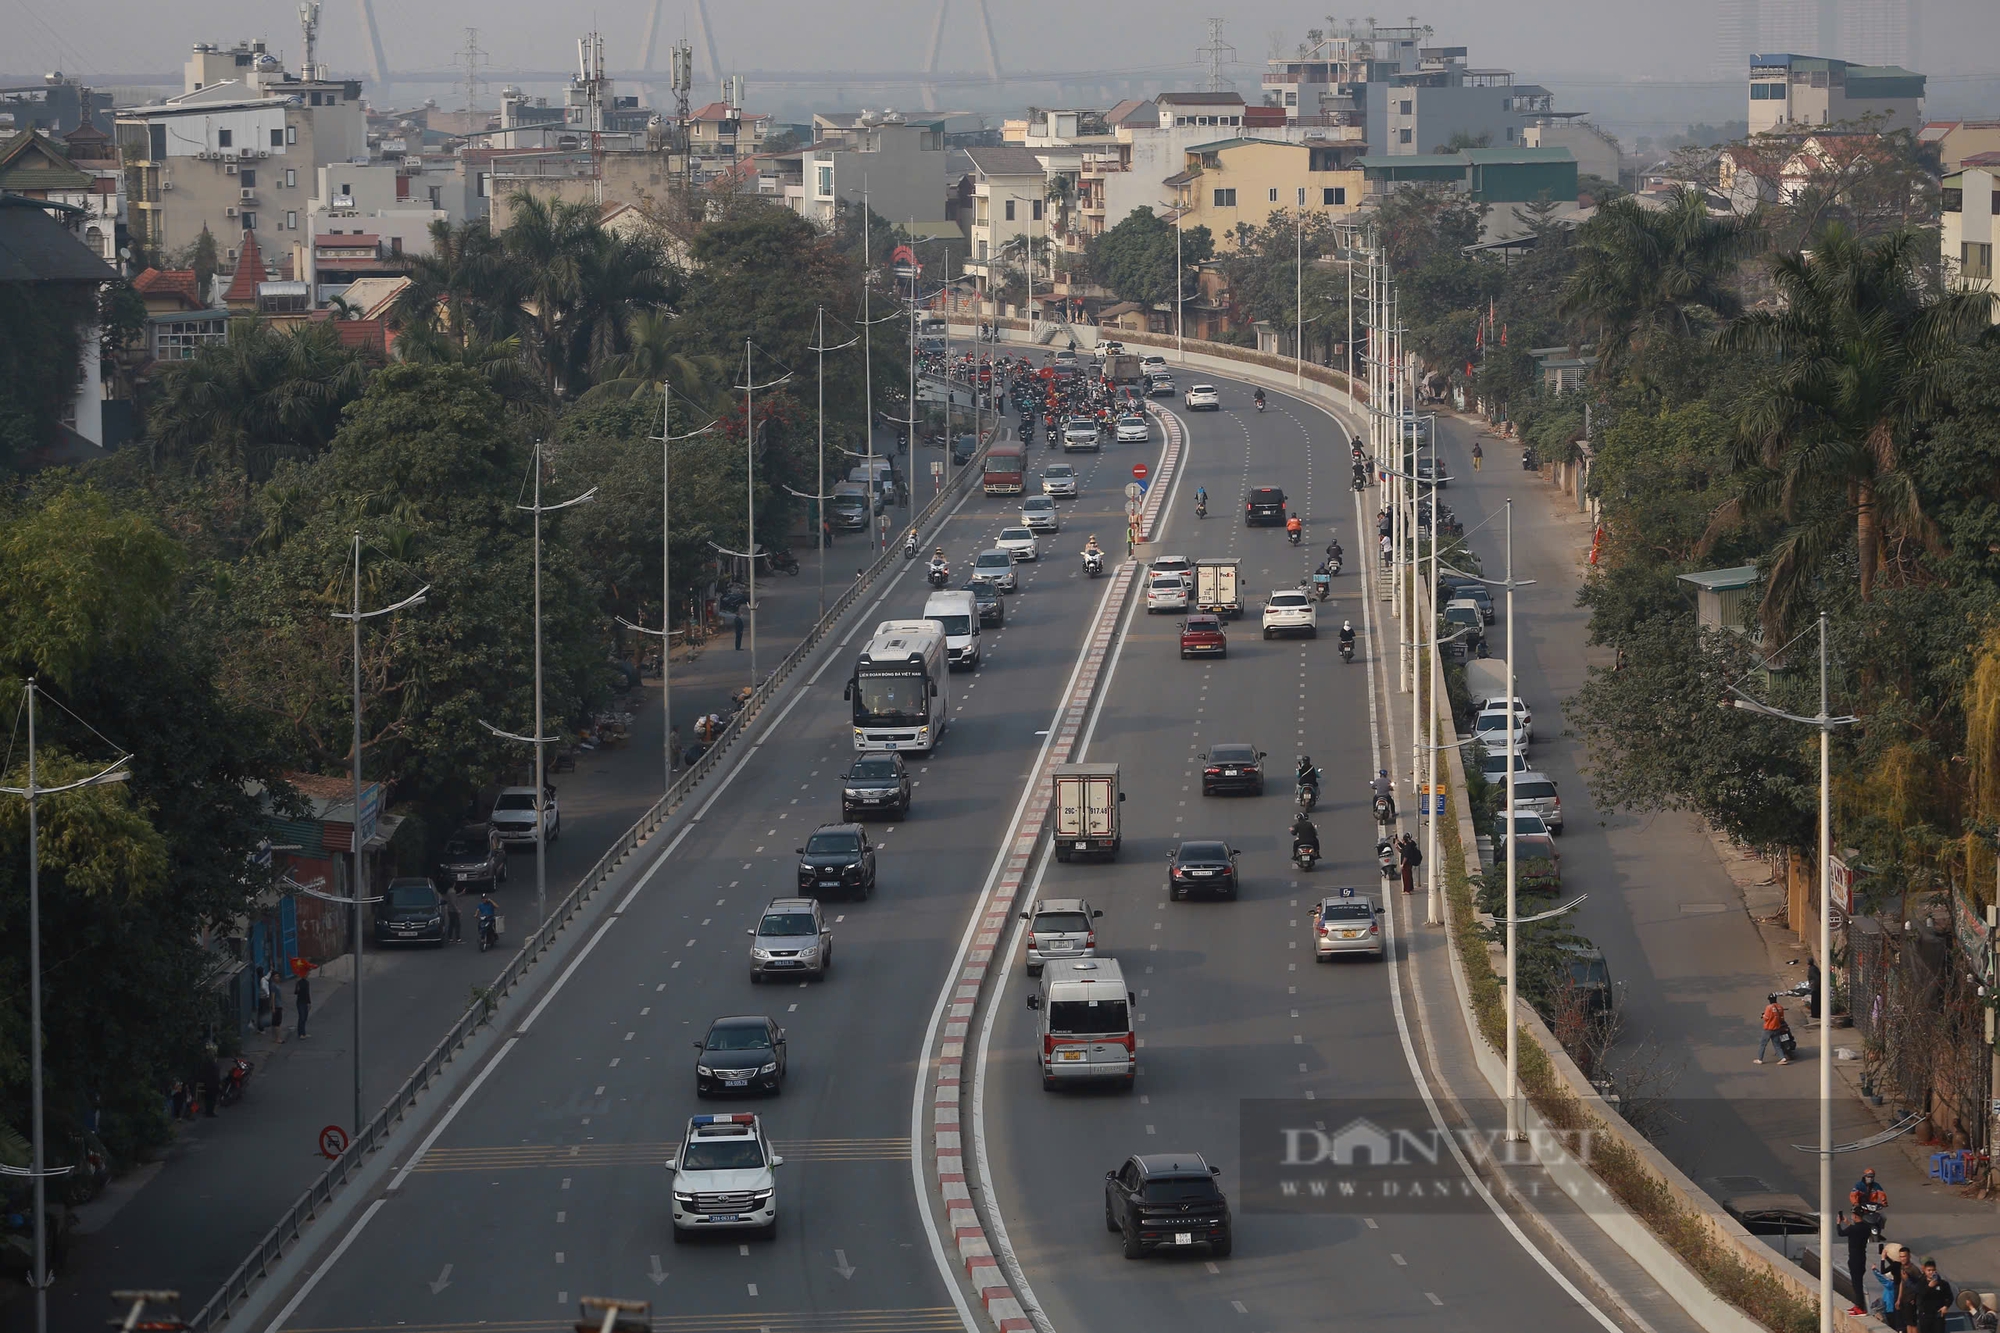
[(1680, 931), (185, 1222)]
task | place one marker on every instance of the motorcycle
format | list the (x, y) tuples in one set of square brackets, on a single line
[(1201, 508), (1093, 563), (1304, 854), (235, 1081), (1333, 560), (910, 547), (1295, 535), (1260, 404), (938, 575), (1385, 810), (1308, 795), (1360, 481), (1346, 651), (1385, 858), (784, 562), (489, 932), (1322, 584)]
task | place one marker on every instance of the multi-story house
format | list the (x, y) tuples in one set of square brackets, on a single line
[(1805, 91), (236, 151), (901, 164), (1971, 202), (1236, 182)]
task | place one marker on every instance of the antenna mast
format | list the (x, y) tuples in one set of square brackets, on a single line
[(1217, 55), (470, 58), (309, 30)]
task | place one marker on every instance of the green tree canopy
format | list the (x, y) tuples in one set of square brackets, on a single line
[(1138, 259)]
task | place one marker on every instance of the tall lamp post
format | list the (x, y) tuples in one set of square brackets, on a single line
[(32, 794), (819, 346), (360, 895), (750, 387), (1824, 723), (540, 740)]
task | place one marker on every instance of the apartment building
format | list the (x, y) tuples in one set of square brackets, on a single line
[(1794, 90), (1421, 110), (236, 151), (1009, 201), (1971, 201), (1234, 182), (903, 165), (1484, 175)]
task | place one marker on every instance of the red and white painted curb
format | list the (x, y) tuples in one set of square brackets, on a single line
[(1002, 1303)]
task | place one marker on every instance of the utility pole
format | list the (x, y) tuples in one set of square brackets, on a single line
[(38, 1275), (360, 829), (750, 387)]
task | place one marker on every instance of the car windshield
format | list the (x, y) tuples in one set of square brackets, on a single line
[(1039, 503), (833, 844), (875, 768), (1202, 388), (1203, 853), (1589, 972), (722, 1155), (1061, 923), (738, 1037), (954, 625), (1168, 582), (1075, 1018), (1016, 535), (515, 800), (1059, 472), (1180, 1191), (1533, 791), (466, 845), (891, 700), (1288, 599), (1204, 625), (991, 559), (1344, 910), (1131, 421), (1491, 722), (1522, 823), (786, 923), (1233, 754), (411, 895)]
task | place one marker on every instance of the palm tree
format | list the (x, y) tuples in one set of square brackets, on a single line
[(464, 286), (499, 362), (1640, 271), (1860, 342), (652, 356)]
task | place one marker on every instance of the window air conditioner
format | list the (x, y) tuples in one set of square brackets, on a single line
[(246, 195), (229, 170), (166, 185), (229, 211)]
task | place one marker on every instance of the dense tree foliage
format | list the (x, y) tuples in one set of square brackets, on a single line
[(1147, 259)]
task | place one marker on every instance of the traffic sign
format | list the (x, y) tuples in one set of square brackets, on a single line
[(1138, 472), (332, 1141), (1133, 508), (1133, 490)]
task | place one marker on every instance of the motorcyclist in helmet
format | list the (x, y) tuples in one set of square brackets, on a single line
[(1308, 776), (1384, 789), (1091, 548), (937, 559), (1304, 834), (1347, 634), (1294, 525)]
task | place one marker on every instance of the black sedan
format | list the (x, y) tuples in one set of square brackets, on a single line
[(986, 596), (1232, 768), (411, 912), (1202, 867), (741, 1054), (878, 784)]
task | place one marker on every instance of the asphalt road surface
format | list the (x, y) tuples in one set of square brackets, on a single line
[(548, 1183)]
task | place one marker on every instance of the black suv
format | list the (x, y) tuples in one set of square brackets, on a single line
[(1167, 1201), (1264, 507), (741, 1054), (411, 912), (474, 855), (878, 784), (837, 858), (986, 596)]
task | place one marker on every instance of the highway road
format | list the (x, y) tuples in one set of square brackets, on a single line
[(1231, 1005), (545, 1182)]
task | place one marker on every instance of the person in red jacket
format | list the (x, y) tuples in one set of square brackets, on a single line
[(1774, 1025)]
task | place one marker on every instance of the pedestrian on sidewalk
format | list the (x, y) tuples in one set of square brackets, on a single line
[(1774, 1025), (1983, 1319), (1909, 1296), (302, 996), (1812, 985), (737, 616), (263, 999), (1888, 1273), (454, 927), (1478, 455), (277, 984), (674, 748), (1384, 550), (1933, 1300), (1410, 856), (1857, 1233)]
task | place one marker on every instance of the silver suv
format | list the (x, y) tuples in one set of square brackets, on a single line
[(1537, 792), (1060, 928), (790, 940)]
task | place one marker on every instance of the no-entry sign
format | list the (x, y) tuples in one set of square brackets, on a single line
[(1138, 472)]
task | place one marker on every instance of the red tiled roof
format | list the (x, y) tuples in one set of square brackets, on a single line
[(361, 242), (169, 282), (1980, 160), (249, 272), (720, 111)]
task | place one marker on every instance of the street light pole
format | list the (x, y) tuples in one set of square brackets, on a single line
[(1180, 285), (1299, 292), (360, 893), (32, 793), (1513, 927)]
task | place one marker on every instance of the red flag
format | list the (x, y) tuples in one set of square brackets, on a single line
[(1503, 335)]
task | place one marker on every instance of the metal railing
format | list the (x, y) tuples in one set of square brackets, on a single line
[(294, 1221)]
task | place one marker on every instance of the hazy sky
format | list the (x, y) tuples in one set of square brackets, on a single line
[(1664, 39)]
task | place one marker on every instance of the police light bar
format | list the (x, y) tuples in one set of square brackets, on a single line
[(742, 1118)]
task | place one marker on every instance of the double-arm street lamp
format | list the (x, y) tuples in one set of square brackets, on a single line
[(37, 1162), (360, 894), (540, 739), (1824, 723)]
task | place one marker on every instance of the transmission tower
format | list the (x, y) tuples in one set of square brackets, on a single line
[(1217, 55), (470, 58), (682, 74)]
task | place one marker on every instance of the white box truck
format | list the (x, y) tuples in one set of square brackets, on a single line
[(1086, 811), (1217, 587)]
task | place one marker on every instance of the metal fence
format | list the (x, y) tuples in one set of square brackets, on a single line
[(289, 1227)]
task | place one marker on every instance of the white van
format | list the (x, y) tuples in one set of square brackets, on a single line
[(883, 474), (1084, 1023), (956, 610)]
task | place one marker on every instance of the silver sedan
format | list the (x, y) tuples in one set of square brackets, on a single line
[(1346, 924)]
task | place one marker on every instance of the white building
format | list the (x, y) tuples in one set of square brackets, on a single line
[(1971, 200), (902, 166), (1795, 90)]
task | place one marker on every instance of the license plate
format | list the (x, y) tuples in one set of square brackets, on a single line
[(1231, 773), (1350, 934), (736, 1083), (1203, 874), (725, 1217), (1184, 1238), (1069, 1055), (829, 883), (1082, 845)]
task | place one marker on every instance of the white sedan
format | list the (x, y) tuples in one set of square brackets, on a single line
[(1491, 728), (1289, 611), (1202, 396), (1166, 592), (1020, 542), (1133, 430)]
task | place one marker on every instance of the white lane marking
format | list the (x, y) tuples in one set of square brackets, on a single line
[(291, 1306), (1394, 977)]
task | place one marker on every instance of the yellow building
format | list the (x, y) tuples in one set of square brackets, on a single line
[(1235, 181)]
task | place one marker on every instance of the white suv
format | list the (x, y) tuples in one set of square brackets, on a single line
[(1201, 396), (513, 815), (1288, 611), (724, 1177)]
